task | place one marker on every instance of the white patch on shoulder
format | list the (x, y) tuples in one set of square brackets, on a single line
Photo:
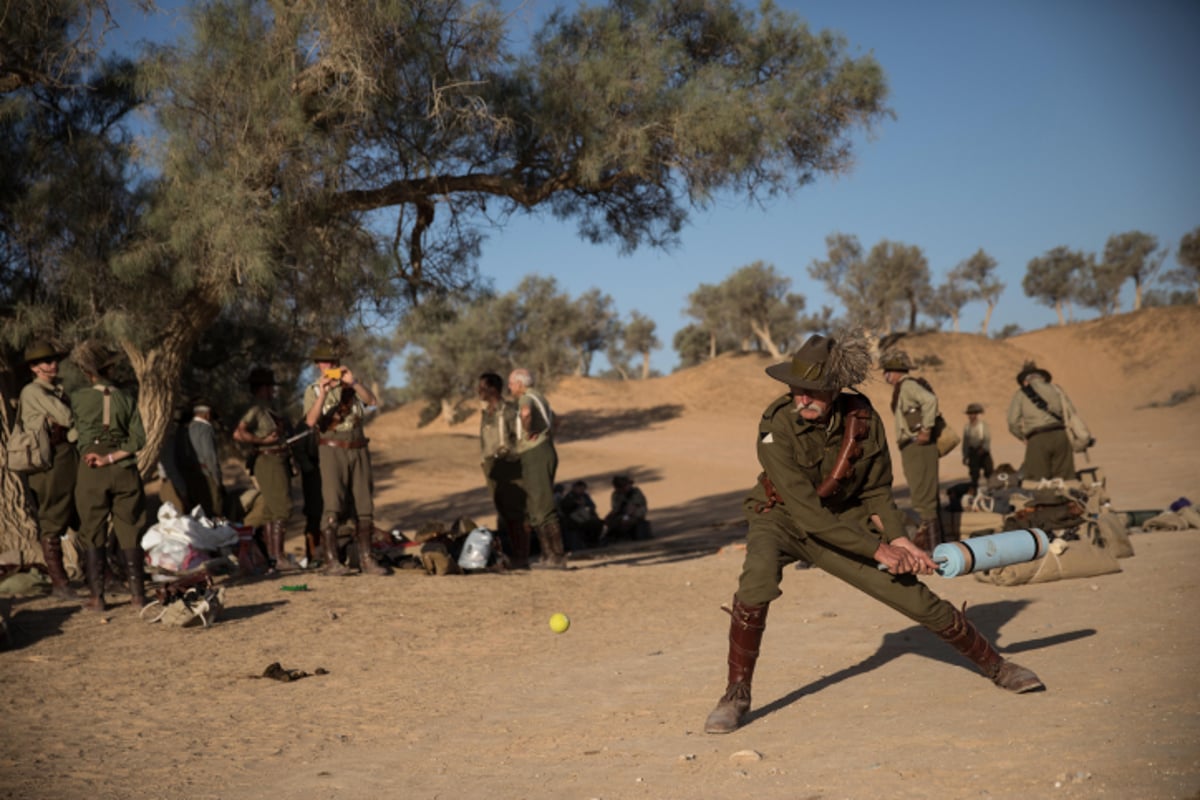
[(767, 438)]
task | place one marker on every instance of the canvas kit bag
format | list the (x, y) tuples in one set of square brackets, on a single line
[(945, 436), (1084, 557), (28, 452)]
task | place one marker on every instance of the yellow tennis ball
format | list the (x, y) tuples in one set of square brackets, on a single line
[(559, 623)]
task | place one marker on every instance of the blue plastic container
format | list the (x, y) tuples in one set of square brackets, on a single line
[(990, 552)]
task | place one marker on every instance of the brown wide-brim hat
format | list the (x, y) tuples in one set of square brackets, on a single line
[(895, 361), (324, 352), (261, 376), (94, 358), (1031, 368), (808, 368), (41, 350), (974, 408)]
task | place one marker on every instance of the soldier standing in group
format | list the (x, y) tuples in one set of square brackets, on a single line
[(108, 482), (1035, 416), (265, 430), (44, 402), (502, 466), (915, 407), (977, 446), (539, 463), (825, 497), (335, 404)]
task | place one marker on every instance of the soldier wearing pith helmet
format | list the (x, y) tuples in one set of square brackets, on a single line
[(825, 496), (44, 402)]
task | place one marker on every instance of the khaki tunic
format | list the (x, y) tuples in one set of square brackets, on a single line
[(500, 463), (539, 459), (832, 533), (53, 491), (272, 467), (347, 483), (1048, 452), (916, 411), (114, 489)]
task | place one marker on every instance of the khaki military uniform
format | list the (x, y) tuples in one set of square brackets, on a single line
[(500, 463), (346, 479), (45, 403), (1048, 452), (834, 533), (272, 466), (114, 489), (916, 411), (539, 459)]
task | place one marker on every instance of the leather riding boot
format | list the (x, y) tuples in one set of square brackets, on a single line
[(135, 562), (923, 537), (278, 535), (94, 569), (746, 627), (966, 639), (518, 538), (366, 556), (52, 552), (329, 539), (553, 555), (312, 548)]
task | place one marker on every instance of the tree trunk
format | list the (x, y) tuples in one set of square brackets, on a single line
[(1058, 307), (955, 318), (645, 364), (712, 344), (763, 334), (987, 317), (159, 370), (1137, 294)]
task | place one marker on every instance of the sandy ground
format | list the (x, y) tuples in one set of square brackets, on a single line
[(455, 687)]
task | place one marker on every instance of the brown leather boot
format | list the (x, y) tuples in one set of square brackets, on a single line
[(329, 539), (312, 548), (366, 556), (966, 639), (553, 555), (746, 627), (60, 584), (135, 562), (277, 531), (923, 537), (94, 569)]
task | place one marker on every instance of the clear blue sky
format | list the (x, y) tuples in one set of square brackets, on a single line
[(1021, 126)]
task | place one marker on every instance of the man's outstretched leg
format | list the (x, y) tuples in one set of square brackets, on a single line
[(966, 639), (745, 636)]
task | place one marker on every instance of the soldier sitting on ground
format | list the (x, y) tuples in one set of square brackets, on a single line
[(627, 519)]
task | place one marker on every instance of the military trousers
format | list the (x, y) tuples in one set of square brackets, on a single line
[(774, 543), (54, 492), (921, 472), (1048, 455), (114, 489), (273, 474), (346, 482), (503, 476), (538, 468)]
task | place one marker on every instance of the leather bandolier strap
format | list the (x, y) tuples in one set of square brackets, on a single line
[(857, 426)]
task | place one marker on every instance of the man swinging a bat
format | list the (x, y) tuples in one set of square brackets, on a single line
[(825, 497)]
